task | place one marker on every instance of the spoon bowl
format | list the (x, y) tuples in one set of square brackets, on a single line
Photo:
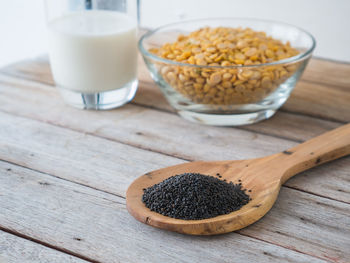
[(263, 176), (263, 195)]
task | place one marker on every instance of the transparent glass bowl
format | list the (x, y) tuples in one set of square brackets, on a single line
[(254, 92)]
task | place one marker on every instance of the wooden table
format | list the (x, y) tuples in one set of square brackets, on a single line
[(64, 173)]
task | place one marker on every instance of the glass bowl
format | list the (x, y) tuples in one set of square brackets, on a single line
[(253, 92)]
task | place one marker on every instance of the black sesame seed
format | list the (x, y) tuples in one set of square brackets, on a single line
[(193, 196), (218, 175)]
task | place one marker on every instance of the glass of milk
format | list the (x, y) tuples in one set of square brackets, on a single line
[(93, 51)]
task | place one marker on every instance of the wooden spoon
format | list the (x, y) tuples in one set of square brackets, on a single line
[(264, 176)]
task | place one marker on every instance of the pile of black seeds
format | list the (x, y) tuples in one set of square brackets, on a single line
[(193, 196)]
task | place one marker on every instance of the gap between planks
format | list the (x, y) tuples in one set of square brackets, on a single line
[(121, 196), (282, 109), (92, 136), (146, 149), (312, 193), (249, 128), (91, 260), (316, 67), (51, 84), (87, 259), (102, 137), (276, 244), (177, 155), (14, 248), (65, 179), (45, 244)]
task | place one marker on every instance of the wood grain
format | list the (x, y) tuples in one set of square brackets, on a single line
[(15, 91), (97, 163), (316, 215), (75, 156), (130, 125), (14, 249), (98, 225)]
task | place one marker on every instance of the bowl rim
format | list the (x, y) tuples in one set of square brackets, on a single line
[(296, 58)]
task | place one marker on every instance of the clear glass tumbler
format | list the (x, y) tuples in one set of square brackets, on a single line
[(93, 51)]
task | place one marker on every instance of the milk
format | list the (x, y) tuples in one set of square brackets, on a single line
[(93, 51)]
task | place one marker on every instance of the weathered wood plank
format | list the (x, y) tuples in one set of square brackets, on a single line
[(85, 159), (14, 249), (97, 163), (331, 180), (321, 101), (297, 127), (328, 72), (323, 215), (97, 225), (141, 127), (121, 127), (321, 98), (37, 69), (325, 97), (318, 71), (60, 151), (293, 126)]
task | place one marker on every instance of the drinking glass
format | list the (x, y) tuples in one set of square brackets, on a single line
[(93, 51)]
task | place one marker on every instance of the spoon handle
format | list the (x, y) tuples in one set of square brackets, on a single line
[(324, 148)]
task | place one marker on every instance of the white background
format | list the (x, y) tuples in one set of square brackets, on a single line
[(22, 22)]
